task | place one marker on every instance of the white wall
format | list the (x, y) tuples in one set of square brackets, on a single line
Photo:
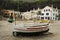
[(52, 14)]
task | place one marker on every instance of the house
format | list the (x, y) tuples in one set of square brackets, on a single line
[(49, 13), (29, 15), (12, 13), (32, 14)]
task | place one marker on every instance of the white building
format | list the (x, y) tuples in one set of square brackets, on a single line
[(49, 13), (30, 14)]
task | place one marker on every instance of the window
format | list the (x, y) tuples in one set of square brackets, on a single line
[(48, 18), (49, 9), (44, 10), (42, 13), (42, 17), (45, 17), (47, 13)]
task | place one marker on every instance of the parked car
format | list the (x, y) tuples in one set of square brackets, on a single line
[(30, 27)]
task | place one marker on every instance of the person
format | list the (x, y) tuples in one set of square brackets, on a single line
[(10, 18)]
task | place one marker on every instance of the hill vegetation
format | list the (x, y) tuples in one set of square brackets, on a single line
[(27, 5)]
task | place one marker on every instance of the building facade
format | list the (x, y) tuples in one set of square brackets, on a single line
[(49, 13)]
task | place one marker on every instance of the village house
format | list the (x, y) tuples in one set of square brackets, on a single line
[(32, 14), (49, 13), (8, 13)]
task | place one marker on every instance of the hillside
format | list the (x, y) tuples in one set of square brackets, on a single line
[(24, 5)]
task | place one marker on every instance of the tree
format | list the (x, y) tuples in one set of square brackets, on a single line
[(39, 12)]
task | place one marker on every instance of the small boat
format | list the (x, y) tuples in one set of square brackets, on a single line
[(30, 27)]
